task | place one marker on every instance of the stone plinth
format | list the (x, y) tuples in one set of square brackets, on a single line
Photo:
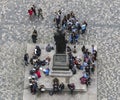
[(60, 66), (60, 62)]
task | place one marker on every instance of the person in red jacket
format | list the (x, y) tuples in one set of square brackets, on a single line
[(38, 73), (30, 12)]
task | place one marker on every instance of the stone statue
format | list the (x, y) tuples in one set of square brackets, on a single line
[(60, 41)]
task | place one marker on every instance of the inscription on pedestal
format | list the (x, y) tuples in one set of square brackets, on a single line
[(60, 62), (60, 58)]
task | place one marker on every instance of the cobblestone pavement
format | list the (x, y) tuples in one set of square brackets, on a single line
[(103, 30)]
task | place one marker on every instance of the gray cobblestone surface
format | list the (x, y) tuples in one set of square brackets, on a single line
[(103, 30)]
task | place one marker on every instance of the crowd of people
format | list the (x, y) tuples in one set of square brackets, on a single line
[(59, 87), (70, 22), (35, 73), (88, 64)]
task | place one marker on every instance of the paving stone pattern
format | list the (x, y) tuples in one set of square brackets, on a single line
[(15, 32)]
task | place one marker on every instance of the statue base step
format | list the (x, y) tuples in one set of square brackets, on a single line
[(60, 73)]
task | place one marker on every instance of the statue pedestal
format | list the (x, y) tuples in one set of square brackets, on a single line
[(60, 62), (60, 66)]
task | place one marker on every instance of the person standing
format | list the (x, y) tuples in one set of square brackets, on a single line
[(71, 87), (34, 36), (26, 57), (58, 19), (34, 9), (30, 12), (40, 13), (61, 87), (83, 27)]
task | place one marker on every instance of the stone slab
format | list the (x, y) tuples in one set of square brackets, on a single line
[(61, 73)]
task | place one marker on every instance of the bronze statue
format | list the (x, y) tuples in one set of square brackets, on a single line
[(60, 42)]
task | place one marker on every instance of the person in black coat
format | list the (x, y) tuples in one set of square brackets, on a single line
[(37, 51), (71, 87), (34, 36), (26, 57), (61, 87)]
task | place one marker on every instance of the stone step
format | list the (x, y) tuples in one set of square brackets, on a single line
[(60, 73), (81, 89), (60, 68)]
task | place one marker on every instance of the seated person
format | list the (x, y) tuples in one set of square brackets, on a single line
[(87, 70), (80, 67), (76, 62), (74, 69), (33, 87), (41, 88), (32, 71), (85, 75), (47, 60), (88, 82), (38, 73), (68, 49), (61, 87), (46, 71), (83, 80), (37, 51), (37, 63), (33, 59), (85, 64), (49, 48)]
